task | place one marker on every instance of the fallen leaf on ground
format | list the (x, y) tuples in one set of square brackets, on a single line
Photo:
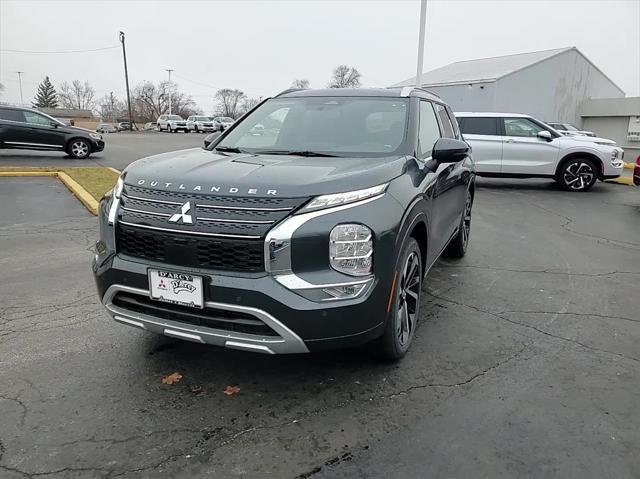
[(196, 389), (231, 390), (172, 378)]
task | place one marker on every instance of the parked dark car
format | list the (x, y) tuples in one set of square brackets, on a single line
[(316, 234), (28, 129)]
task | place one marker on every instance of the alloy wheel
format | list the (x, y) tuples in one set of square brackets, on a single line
[(466, 221), (79, 149), (408, 298), (578, 175)]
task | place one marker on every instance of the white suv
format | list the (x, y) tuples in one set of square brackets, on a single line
[(171, 123), (519, 146), (200, 123)]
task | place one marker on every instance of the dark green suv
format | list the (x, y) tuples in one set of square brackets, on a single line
[(27, 129)]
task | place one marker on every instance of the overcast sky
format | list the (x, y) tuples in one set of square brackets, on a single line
[(262, 46)]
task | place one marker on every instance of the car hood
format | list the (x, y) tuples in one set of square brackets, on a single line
[(75, 129), (593, 139), (205, 171)]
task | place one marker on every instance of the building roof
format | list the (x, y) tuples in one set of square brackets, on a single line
[(484, 69), (66, 112)]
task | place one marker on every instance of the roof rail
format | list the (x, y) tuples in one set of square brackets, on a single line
[(289, 90), (406, 90)]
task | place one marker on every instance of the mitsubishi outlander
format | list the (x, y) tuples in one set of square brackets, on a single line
[(317, 233)]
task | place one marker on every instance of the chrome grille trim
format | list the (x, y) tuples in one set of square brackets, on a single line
[(133, 210), (187, 232), (150, 200), (246, 222), (240, 208)]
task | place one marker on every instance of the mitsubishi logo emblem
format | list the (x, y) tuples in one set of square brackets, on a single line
[(183, 214)]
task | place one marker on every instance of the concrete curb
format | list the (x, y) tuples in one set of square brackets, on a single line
[(114, 170), (83, 195), (623, 180), (629, 166), (78, 191)]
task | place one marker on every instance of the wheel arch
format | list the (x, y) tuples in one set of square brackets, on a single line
[(581, 154)]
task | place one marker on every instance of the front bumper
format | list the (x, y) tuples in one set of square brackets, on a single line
[(282, 297), (613, 168), (300, 325), (97, 145)]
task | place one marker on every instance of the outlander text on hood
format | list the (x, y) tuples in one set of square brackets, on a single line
[(311, 223)]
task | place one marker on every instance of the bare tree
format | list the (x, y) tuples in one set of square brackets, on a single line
[(111, 108), (1, 88), (345, 77), (248, 104), (77, 95), (229, 102), (151, 101), (300, 83)]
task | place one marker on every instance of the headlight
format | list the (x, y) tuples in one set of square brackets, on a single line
[(351, 249), (614, 154), (95, 136), (327, 201)]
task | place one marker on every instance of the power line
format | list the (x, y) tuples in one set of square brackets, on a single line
[(6, 50), (196, 82)]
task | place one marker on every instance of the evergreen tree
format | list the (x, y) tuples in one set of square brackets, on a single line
[(46, 96)]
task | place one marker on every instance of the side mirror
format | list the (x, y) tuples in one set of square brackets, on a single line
[(545, 135), (210, 138), (448, 150), (54, 124)]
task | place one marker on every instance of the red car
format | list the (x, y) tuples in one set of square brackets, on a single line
[(636, 173)]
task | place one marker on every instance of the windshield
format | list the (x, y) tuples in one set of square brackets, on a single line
[(570, 127), (338, 126), (202, 118), (173, 117), (225, 119)]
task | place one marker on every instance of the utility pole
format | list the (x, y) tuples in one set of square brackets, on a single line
[(423, 21), (111, 110), (169, 70), (126, 78), (20, 81)]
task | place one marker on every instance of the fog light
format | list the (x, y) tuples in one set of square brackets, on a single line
[(100, 247), (345, 292), (351, 249)]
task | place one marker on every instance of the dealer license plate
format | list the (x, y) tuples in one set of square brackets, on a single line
[(176, 288)]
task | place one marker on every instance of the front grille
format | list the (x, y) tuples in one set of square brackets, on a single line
[(209, 317), (192, 251), (226, 233)]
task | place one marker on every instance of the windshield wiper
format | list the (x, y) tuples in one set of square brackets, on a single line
[(228, 149), (297, 153)]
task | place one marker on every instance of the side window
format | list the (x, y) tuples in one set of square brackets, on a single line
[(454, 122), (447, 127), (11, 115), (521, 127), (36, 118), (429, 130), (475, 125)]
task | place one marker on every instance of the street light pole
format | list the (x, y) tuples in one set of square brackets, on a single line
[(169, 70), (126, 79), (423, 21), (20, 81)]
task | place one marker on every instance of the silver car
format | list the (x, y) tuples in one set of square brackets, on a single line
[(519, 146), (201, 123), (171, 123)]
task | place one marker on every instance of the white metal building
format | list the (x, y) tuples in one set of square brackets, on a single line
[(550, 85), (617, 119)]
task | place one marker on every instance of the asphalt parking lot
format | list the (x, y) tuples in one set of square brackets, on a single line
[(120, 150), (525, 362)]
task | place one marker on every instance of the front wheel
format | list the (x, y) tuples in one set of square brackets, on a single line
[(405, 307), (79, 149), (578, 174)]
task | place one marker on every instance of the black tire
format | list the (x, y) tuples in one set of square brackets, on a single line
[(401, 321), (79, 149), (197, 129), (457, 247), (577, 174)]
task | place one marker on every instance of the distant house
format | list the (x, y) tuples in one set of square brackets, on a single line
[(80, 118), (551, 85)]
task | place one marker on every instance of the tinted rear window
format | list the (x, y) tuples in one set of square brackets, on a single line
[(474, 125), (13, 115)]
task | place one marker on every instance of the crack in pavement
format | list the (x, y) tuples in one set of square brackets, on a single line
[(23, 415), (444, 265), (568, 221), (534, 328)]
